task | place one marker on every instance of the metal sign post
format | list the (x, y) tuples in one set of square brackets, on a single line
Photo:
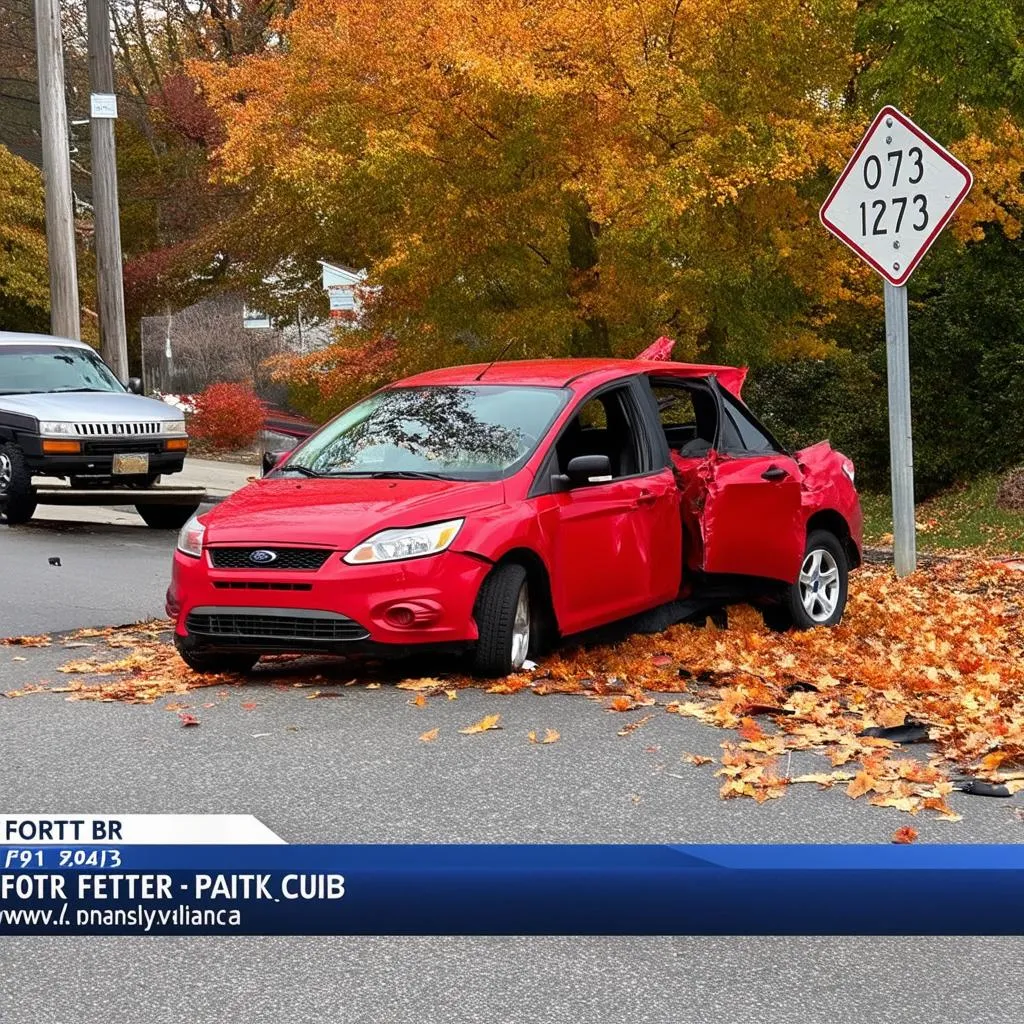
[(901, 446), (892, 200)]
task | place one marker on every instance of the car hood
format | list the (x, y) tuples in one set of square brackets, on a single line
[(341, 513), (90, 407)]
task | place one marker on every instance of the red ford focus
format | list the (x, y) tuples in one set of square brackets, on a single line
[(494, 509)]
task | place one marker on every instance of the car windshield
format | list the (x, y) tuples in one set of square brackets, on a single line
[(32, 369), (474, 432)]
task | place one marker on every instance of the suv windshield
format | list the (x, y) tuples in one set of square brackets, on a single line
[(458, 432), (32, 369)]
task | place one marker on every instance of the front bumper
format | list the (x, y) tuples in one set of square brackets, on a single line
[(96, 457), (422, 601)]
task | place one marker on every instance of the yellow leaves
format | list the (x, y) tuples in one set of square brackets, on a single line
[(824, 779), (26, 641), (550, 736), (484, 725), (430, 735), (419, 701), (421, 684), (862, 783)]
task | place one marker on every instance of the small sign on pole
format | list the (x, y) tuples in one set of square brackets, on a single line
[(103, 104), (896, 194)]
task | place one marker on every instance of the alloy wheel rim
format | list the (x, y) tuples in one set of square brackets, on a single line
[(521, 629), (819, 584), (6, 473)]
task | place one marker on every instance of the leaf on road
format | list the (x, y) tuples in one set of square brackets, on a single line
[(904, 834), (429, 736), (249, 705), (633, 726), (27, 641), (550, 736), (419, 701), (421, 684), (860, 784), (187, 719), (697, 759), (484, 725), (622, 704)]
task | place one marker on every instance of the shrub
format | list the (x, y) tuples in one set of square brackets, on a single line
[(227, 416), (1011, 491)]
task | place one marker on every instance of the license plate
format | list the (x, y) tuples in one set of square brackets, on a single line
[(131, 464)]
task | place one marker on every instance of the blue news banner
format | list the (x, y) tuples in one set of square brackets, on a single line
[(511, 890)]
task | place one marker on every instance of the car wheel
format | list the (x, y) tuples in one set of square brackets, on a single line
[(210, 662), (818, 597), (17, 495), (504, 622), (166, 517)]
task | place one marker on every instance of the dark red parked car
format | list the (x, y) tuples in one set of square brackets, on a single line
[(495, 508)]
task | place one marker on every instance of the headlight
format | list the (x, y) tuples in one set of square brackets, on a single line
[(190, 540), (848, 470), (56, 429), (173, 427), (414, 542)]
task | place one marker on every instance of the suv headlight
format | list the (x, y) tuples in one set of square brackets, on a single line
[(173, 427), (55, 428), (412, 542), (190, 540)]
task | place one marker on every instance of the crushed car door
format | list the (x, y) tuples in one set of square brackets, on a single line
[(751, 520), (616, 542)]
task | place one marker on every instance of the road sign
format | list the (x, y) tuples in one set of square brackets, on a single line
[(890, 203), (896, 194)]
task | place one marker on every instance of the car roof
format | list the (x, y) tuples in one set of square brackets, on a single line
[(20, 338), (564, 372)]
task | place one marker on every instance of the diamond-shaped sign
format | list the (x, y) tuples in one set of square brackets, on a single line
[(896, 194)]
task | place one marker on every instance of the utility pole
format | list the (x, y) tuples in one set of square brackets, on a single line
[(103, 102), (60, 220)]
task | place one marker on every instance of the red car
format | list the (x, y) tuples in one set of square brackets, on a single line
[(496, 508)]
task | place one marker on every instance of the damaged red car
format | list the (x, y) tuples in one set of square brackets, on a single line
[(495, 509)]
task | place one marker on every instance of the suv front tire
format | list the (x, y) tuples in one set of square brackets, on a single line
[(17, 495)]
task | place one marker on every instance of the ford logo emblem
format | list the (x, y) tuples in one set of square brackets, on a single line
[(262, 557)]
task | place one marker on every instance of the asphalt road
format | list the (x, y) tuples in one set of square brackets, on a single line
[(351, 768)]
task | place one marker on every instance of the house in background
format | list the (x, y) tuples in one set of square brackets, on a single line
[(221, 337), (345, 288)]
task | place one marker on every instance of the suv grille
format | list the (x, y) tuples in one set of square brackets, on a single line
[(110, 446), (255, 628), (285, 558), (118, 429)]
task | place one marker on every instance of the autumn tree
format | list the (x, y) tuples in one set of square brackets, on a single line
[(565, 177), (24, 274)]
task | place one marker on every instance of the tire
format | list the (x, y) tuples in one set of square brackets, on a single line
[(166, 517), (17, 495), (501, 605), (216, 662), (805, 605)]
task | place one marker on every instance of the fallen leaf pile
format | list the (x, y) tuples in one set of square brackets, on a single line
[(940, 652)]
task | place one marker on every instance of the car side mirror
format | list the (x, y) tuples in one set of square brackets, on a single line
[(584, 470), (271, 460), (135, 385)]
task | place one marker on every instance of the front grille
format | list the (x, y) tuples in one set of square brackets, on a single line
[(233, 585), (118, 429), (255, 627), (128, 446), (286, 558)]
